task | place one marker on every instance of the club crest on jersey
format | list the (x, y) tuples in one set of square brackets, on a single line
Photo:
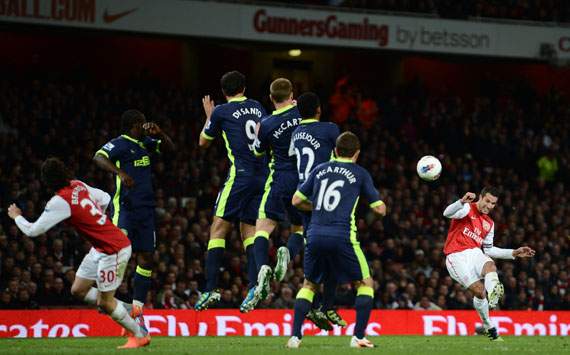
[(486, 226)]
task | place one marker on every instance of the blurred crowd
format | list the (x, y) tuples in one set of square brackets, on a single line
[(506, 136), (528, 10)]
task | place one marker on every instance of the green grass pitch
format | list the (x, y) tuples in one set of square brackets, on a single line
[(417, 345)]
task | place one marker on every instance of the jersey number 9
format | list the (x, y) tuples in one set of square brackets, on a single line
[(250, 132)]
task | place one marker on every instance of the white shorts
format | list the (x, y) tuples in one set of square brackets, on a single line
[(466, 266), (105, 269)]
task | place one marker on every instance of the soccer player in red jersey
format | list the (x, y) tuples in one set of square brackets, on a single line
[(469, 249), (83, 207)]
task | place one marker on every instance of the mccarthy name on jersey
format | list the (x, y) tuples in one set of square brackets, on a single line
[(294, 122), (349, 175)]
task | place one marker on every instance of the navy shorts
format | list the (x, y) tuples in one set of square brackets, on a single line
[(276, 201), (138, 225), (339, 257), (239, 199)]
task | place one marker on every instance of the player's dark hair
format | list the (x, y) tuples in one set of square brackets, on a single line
[(347, 144), (280, 90), (490, 190), (232, 83), (55, 174), (129, 118), (308, 103)]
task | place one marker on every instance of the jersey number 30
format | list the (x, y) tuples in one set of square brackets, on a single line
[(329, 196)]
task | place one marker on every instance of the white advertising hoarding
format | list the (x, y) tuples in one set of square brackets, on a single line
[(291, 25)]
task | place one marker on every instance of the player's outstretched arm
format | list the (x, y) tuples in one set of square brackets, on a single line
[(524, 252), (56, 210), (205, 138), (460, 208), (104, 163), (500, 253)]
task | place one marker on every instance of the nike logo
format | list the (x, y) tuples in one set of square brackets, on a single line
[(110, 18), (473, 217)]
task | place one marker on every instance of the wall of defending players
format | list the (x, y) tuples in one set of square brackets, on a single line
[(88, 323)]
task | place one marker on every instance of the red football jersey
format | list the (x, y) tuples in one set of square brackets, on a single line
[(88, 218), (468, 232)]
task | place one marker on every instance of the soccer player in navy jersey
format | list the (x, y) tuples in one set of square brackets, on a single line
[(238, 200), (274, 139), (129, 157), (314, 142), (332, 192)]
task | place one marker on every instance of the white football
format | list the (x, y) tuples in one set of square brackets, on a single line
[(429, 168)]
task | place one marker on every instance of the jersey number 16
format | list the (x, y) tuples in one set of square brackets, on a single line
[(329, 196)]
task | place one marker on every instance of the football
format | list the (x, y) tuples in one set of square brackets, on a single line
[(429, 168)]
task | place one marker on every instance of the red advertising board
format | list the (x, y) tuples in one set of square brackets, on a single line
[(85, 323)]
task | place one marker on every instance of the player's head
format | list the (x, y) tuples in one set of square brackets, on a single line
[(233, 83), (281, 90), (309, 105), (347, 146), (55, 174), (132, 122), (487, 199)]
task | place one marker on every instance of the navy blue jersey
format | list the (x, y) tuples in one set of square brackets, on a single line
[(313, 142), (334, 189), (236, 121), (133, 157), (274, 136)]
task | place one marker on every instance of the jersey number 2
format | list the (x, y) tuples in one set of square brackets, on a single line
[(329, 196)]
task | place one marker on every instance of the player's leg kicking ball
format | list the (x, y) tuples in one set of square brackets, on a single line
[(469, 267)]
